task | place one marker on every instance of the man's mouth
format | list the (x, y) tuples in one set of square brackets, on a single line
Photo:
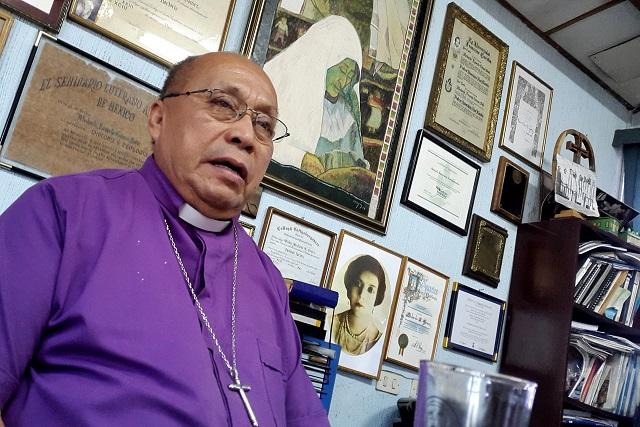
[(236, 168)]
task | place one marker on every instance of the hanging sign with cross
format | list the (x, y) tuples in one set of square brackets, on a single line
[(574, 184)]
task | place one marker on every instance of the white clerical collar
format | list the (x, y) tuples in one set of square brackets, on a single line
[(189, 214)]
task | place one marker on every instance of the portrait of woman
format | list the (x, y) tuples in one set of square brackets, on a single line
[(355, 329)]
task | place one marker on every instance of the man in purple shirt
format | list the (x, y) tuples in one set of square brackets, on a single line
[(134, 298)]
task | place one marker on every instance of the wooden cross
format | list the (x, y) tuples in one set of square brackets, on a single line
[(579, 149), (241, 389)]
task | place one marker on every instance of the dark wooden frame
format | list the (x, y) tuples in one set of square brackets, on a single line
[(446, 343), (500, 196), (481, 230), (52, 21)]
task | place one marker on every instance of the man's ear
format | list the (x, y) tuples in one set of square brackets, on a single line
[(155, 118)]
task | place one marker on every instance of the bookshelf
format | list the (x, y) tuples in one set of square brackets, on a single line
[(540, 310)]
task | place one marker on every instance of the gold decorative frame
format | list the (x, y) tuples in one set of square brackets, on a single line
[(417, 288), (510, 114), (249, 228), (510, 191), (122, 39), (455, 13), (485, 250), (5, 26)]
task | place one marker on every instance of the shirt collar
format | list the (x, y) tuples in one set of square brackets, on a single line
[(173, 202)]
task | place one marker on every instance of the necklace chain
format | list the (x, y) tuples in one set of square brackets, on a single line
[(356, 336), (233, 369)]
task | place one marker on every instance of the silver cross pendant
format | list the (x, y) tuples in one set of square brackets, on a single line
[(241, 388)]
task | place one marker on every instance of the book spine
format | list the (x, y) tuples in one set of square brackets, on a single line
[(604, 288)]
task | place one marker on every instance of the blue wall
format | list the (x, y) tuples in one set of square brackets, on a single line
[(578, 103)]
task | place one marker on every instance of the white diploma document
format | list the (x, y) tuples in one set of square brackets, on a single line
[(476, 322)]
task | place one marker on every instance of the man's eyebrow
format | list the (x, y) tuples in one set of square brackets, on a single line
[(239, 93)]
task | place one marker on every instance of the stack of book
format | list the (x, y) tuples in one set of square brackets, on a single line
[(603, 371), (319, 358), (320, 361), (608, 281)]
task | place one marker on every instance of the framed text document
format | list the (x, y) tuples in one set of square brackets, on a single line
[(75, 113)]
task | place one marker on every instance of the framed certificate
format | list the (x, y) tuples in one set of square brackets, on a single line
[(249, 228), (5, 25), (365, 275), (485, 249), (165, 31), (301, 250), (526, 119), (510, 191), (467, 84), (474, 323), (48, 13), (441, 183), (417, 313), (345, 75), (74, 113)]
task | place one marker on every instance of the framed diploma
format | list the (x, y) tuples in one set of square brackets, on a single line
[(510, 191), (73, 113), (301, 250), (485, 249), (474, 323), (467, 84), (366, 276), (417, 313), (345, 74), (166, 31), (441, 183), (526, 119), (5, 25), (48, 13)]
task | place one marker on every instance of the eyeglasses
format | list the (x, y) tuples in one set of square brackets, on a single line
[(228, 108)]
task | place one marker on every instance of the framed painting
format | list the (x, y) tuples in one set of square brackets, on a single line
[(301, 250), (365, 275), (485, 250), (526, 119), (510, 191), (474, 323), (165, 31), (467, 84), (47, 13), (345, 74), (417, 314), (441, 183), (73, 113)]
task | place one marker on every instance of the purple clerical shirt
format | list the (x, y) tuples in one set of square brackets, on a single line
[(97, 326)]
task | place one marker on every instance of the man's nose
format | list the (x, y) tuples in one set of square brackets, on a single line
[(241, 132)]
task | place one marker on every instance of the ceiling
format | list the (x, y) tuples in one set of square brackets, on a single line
[(601, 37)]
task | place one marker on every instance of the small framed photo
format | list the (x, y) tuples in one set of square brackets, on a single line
[(74, 113), (467, 84), (301, 250), (526, 119), (5, 25), (249, 228), (441, 183), (165, 31), (474, 323), (48, 13), (365, 275), (485, 248), (417, 315), (510, 191)]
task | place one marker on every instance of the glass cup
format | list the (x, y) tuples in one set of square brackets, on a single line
[(451, 396)]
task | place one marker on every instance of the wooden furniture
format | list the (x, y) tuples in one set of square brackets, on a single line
[(540, 311)]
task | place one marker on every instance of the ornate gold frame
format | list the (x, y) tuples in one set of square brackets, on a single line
[(7, 19), (454, 12)]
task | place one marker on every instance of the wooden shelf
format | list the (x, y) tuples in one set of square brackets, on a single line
[(583, 314), (576, 404)]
